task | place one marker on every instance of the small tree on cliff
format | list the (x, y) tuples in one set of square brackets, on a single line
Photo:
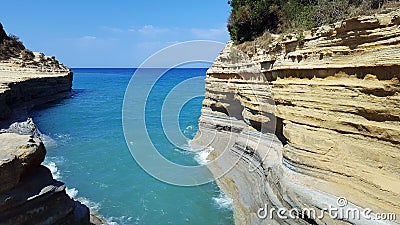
[(27, 55), (11, 47), (251, 18)]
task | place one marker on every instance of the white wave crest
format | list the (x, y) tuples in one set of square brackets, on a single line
[(71, 192), (201, 156), (94, 207), (53, 169), (223, 201), (122, 220)]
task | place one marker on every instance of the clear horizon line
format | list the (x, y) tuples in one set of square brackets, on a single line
[(139, 68)]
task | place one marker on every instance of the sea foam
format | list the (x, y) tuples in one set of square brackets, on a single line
[(201, 156), (73, 192), (223, 201), (53, 169)]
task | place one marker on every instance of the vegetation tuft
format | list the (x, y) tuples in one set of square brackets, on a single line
[(12, 47), (250, 19)]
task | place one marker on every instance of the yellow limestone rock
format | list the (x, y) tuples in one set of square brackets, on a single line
[(309, 121)]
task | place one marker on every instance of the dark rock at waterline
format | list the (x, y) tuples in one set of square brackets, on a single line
[(28, 192)]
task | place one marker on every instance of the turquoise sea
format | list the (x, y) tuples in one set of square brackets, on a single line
[(86, 149)]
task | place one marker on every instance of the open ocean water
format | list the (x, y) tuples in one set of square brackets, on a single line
[(86, 149)]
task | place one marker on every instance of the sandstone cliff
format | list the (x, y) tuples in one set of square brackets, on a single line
[(309, 118), (28, 79), (28, 192), (22, 88)]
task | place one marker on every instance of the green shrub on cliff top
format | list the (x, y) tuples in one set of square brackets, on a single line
[(11, 48), (251, 18), (27, 55)]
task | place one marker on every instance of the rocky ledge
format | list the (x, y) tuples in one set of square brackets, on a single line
[(21, 89), (312, 121), (29, 194)]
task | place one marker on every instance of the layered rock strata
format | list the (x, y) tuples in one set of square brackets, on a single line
[(313, 120), (29, 194), (21, 89)]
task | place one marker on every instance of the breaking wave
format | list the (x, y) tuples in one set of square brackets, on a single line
[(223, 201), (94, 207)]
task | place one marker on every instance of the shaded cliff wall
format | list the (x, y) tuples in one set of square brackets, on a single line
[(20, 91), (28, 79), (309, 118), (29, 194)]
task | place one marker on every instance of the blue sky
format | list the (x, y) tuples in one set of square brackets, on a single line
[(88, 33)]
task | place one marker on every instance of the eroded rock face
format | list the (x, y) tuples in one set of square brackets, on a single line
[(20, 91), (310, 119), (19, 155), (28, 192), (28, 80)]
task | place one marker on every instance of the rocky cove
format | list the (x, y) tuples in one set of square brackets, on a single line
[(28, 192), (308, 120)]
